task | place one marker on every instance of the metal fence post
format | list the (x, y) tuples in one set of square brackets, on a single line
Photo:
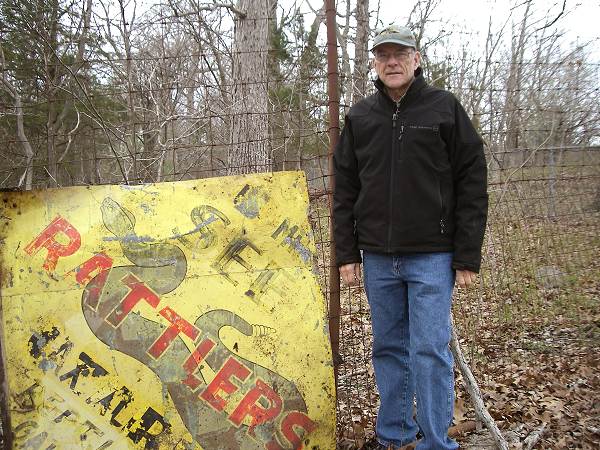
[(333, 93)]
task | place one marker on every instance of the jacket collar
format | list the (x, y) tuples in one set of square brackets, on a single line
[(413, 90)]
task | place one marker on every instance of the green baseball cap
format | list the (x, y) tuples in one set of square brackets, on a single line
[(394, 34)]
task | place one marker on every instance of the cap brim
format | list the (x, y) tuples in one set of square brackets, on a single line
[(394, 41)]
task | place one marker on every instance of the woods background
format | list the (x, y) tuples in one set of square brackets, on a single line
[(99, 92)]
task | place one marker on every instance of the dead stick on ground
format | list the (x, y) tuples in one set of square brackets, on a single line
[(462, 428), (534, 437), (473, 390)]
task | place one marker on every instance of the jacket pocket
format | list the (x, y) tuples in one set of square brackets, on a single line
[(424, 145), (442, 207)]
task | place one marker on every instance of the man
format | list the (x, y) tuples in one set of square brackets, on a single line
[(411, 199)]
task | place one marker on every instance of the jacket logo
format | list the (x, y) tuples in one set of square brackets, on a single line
[(433, 128)]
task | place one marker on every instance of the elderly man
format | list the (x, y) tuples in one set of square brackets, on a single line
[(411, 204)]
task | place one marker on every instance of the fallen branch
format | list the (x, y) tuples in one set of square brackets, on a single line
[(534, 437), (462, 428), (473, 389)]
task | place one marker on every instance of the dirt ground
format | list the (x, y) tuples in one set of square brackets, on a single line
[(530, 331), (539, 374), (547, 378)]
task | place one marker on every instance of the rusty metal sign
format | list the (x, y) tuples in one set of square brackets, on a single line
[(178, 315)]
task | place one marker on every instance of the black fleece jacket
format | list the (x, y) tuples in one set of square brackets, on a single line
[(410, 177)]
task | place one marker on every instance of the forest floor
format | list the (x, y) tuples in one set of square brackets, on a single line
[(545, 377), (541, 373)]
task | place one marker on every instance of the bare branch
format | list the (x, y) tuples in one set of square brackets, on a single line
[(27, 176), (230, 6), (549, 24), (70, 140)]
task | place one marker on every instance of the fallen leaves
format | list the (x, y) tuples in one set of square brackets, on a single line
[(545, 373)]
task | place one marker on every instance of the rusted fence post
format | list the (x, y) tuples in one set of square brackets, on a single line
[(334, 132)]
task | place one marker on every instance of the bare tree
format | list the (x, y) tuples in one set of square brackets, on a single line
[(250, 150), (6, 84), (422, 13), (51, 44), (361, 51), (310, 59), (343, 37), (513, 84)]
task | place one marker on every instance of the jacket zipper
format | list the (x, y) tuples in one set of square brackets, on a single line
[(442, 224), (394, 121)]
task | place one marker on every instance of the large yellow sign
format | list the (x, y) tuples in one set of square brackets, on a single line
[(177, 315)]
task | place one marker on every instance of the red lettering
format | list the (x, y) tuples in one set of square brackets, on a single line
[(85, 272), (222, 382), (293, 419), (100, 262), (178, 325), (192, 363), (249, 406), (296, 419), (273, 445), (46, 239), (137, 291)]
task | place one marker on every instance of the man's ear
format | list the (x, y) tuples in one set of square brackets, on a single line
[(418, 59)]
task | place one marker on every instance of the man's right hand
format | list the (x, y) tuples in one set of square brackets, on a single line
[(350, 273)]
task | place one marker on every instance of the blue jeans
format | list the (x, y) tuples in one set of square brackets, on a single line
[(410, 297)]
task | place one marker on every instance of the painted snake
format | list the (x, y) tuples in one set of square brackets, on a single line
[(161, 267)]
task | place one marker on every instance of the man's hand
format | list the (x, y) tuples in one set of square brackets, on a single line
[(350, 273), (464, 278)]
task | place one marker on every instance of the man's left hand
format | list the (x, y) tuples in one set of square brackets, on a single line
[(465, 278)]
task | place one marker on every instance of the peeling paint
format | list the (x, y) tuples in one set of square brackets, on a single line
[(39, 340), (300, 249), (250, 200), (125, 332)]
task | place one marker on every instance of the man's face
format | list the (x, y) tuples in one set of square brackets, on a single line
[(395, 65)]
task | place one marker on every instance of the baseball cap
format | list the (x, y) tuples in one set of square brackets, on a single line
[(394, 34)]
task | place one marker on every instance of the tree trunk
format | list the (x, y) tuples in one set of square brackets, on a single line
[(277, 119), (53, 74), (250, 150), (513, 94), (346, 72), (51, 165), (131, 110), (361, 51), (27, 177), (309, 63)]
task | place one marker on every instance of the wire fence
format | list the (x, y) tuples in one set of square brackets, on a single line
[(171, 120)]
